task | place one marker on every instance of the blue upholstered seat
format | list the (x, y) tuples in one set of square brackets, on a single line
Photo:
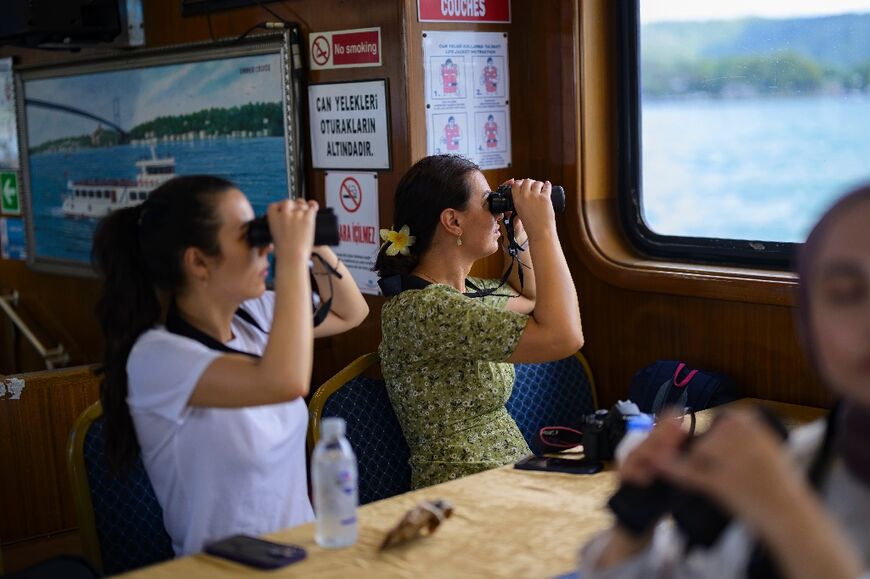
[(551, 394), (372, 429), (127, 519)]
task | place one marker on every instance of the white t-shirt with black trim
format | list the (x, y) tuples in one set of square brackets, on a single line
[(216, 471)]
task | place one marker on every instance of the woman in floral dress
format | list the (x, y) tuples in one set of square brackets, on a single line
[(447, 352)]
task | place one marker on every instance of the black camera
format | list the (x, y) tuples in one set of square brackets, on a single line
[(702, 521), (603, 430), (501, 199), (325, 229)]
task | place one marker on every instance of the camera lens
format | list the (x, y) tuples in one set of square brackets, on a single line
[(501, 199), (325, 229)]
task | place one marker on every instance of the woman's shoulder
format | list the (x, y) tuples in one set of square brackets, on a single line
[(159, 341)]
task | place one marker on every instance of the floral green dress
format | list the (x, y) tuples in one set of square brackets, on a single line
[(442, 357)]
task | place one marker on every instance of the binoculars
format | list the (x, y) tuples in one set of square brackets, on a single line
[(325, 229), (501, 199)]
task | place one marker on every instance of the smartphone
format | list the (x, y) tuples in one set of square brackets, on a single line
[(256, 552), (566, 465)]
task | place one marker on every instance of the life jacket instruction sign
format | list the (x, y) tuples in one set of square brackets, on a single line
[(348, 123), (345, 48), (354, 198), (467, 87)]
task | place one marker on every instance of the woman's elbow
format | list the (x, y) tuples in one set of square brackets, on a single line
[(571, 342), (362, 313)]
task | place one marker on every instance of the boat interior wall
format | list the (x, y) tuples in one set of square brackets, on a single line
[(562, 68)]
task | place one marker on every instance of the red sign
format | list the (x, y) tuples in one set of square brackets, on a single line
[(345, 48), (356, 47), (464, 10)]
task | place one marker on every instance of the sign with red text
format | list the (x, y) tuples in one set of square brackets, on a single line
[(464, 10), (345, 48), (354, 198)]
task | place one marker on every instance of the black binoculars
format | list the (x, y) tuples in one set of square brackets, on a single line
[(501, 199), (325, 229)]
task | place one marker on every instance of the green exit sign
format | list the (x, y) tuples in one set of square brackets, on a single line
[(10, 199)]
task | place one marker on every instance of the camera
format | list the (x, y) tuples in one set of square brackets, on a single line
[(325, 229), (700, 519), (603, 429), (501, 199)]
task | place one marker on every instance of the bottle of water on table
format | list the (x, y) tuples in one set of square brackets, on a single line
[(334, 478), (636, 430)]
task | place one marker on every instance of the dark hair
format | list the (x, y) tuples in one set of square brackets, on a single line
[(432, 185), (139, 250)]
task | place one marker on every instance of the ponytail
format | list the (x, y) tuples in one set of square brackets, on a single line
[(139, 250), (127, 307), (432, 185)]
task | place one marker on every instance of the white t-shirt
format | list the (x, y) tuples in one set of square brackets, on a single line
[(216, 471)]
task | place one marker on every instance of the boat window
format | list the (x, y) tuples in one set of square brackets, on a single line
[(90, 194), (739, 123)]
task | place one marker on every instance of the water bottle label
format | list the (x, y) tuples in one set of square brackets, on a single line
[(349, 521), (345, 481)]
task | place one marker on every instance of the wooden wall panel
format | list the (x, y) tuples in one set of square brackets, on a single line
[(36, 499)]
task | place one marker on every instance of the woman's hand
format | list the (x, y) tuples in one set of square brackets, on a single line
[(532, 201), (291, 224), (656, 453), (740, 462)]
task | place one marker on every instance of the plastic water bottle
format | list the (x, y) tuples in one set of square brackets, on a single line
[(636, 430), (334, 477)]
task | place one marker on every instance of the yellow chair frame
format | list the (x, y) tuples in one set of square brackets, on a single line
[(328, 388), (594, 389), (81, 489)]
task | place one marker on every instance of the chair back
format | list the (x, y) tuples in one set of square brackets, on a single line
[(120, 520), (555, 393), (373, 430)]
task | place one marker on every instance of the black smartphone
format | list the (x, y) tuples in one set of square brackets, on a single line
[(566, 465), (255, 552)]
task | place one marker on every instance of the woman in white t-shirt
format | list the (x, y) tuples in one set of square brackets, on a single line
[(214, 399)]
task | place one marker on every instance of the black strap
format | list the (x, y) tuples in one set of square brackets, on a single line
[(323, 310), (178, 325)]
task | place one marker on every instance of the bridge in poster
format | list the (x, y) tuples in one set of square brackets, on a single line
[(122, 134)]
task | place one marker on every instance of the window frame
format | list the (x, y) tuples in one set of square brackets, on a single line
[(752, 253)]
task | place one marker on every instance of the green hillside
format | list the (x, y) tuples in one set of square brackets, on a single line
[(757, 56)]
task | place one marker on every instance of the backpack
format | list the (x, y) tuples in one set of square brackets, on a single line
[(672, 383)]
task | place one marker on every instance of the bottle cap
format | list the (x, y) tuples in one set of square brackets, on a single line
[(643, 422), (332, 427)]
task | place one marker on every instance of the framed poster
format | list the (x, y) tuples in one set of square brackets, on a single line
[(8, 133), (99, 135)]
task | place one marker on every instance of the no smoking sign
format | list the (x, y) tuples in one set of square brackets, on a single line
[(350, 194), (345, 48)]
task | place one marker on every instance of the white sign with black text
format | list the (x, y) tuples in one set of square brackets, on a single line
[(349, 125), (354, 198)]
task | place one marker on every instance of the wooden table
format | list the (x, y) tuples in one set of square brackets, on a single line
[(506, 523)]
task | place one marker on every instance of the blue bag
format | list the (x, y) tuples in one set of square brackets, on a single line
[(673, 383)]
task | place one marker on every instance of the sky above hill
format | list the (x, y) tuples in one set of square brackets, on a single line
[(668, 10)]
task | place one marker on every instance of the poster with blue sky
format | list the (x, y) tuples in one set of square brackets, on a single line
[(101, 141)]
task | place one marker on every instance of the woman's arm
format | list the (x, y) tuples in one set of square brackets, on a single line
[(524, 303), (349, 307), (283, 372), (553, 330)]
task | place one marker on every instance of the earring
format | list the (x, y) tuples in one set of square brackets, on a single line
[(459, 240)]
